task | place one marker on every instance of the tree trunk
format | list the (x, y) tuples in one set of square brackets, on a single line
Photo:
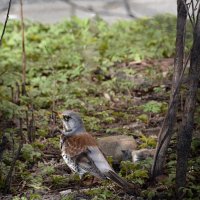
[(185, 135), (170, 119)]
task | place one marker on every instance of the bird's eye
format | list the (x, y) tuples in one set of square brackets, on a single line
[(66, 118)]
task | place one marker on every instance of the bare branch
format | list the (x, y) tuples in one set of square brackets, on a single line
[(4, 27), (188, 13), (197, 2), (102, 12), (3, 144), (15, 158), (193, 10), (128, 8), (23, 52), (168, 115), (169, 121), (184, 137)]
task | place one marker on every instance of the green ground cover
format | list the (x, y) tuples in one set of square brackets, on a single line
[(117, 76)]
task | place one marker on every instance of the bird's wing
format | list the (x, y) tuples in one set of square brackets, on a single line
[(86, 163), (93, 161), (98, 158)]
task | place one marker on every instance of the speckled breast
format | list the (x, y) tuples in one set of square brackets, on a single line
[(71, 164), (70, 159)]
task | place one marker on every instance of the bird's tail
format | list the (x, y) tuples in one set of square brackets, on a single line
[(127, 187)]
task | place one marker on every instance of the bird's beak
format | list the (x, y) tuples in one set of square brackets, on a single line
[(59, 114), (65, 125)]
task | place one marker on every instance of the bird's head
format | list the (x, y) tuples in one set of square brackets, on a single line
[(72, 122)]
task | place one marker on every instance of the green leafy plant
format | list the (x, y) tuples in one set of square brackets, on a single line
[(154, 107), (100, 193), (99, 69), (147, 141), (29, 154)]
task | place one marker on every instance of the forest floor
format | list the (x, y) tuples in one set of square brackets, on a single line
[(139, 114), (143, 127), (117, 77)]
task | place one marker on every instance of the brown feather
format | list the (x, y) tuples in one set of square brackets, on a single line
[(74, 145)]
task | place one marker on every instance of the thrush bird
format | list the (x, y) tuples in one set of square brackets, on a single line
[(82, 154)]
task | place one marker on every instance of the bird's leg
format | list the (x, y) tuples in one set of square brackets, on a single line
[(92, 180), (79, 182)]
